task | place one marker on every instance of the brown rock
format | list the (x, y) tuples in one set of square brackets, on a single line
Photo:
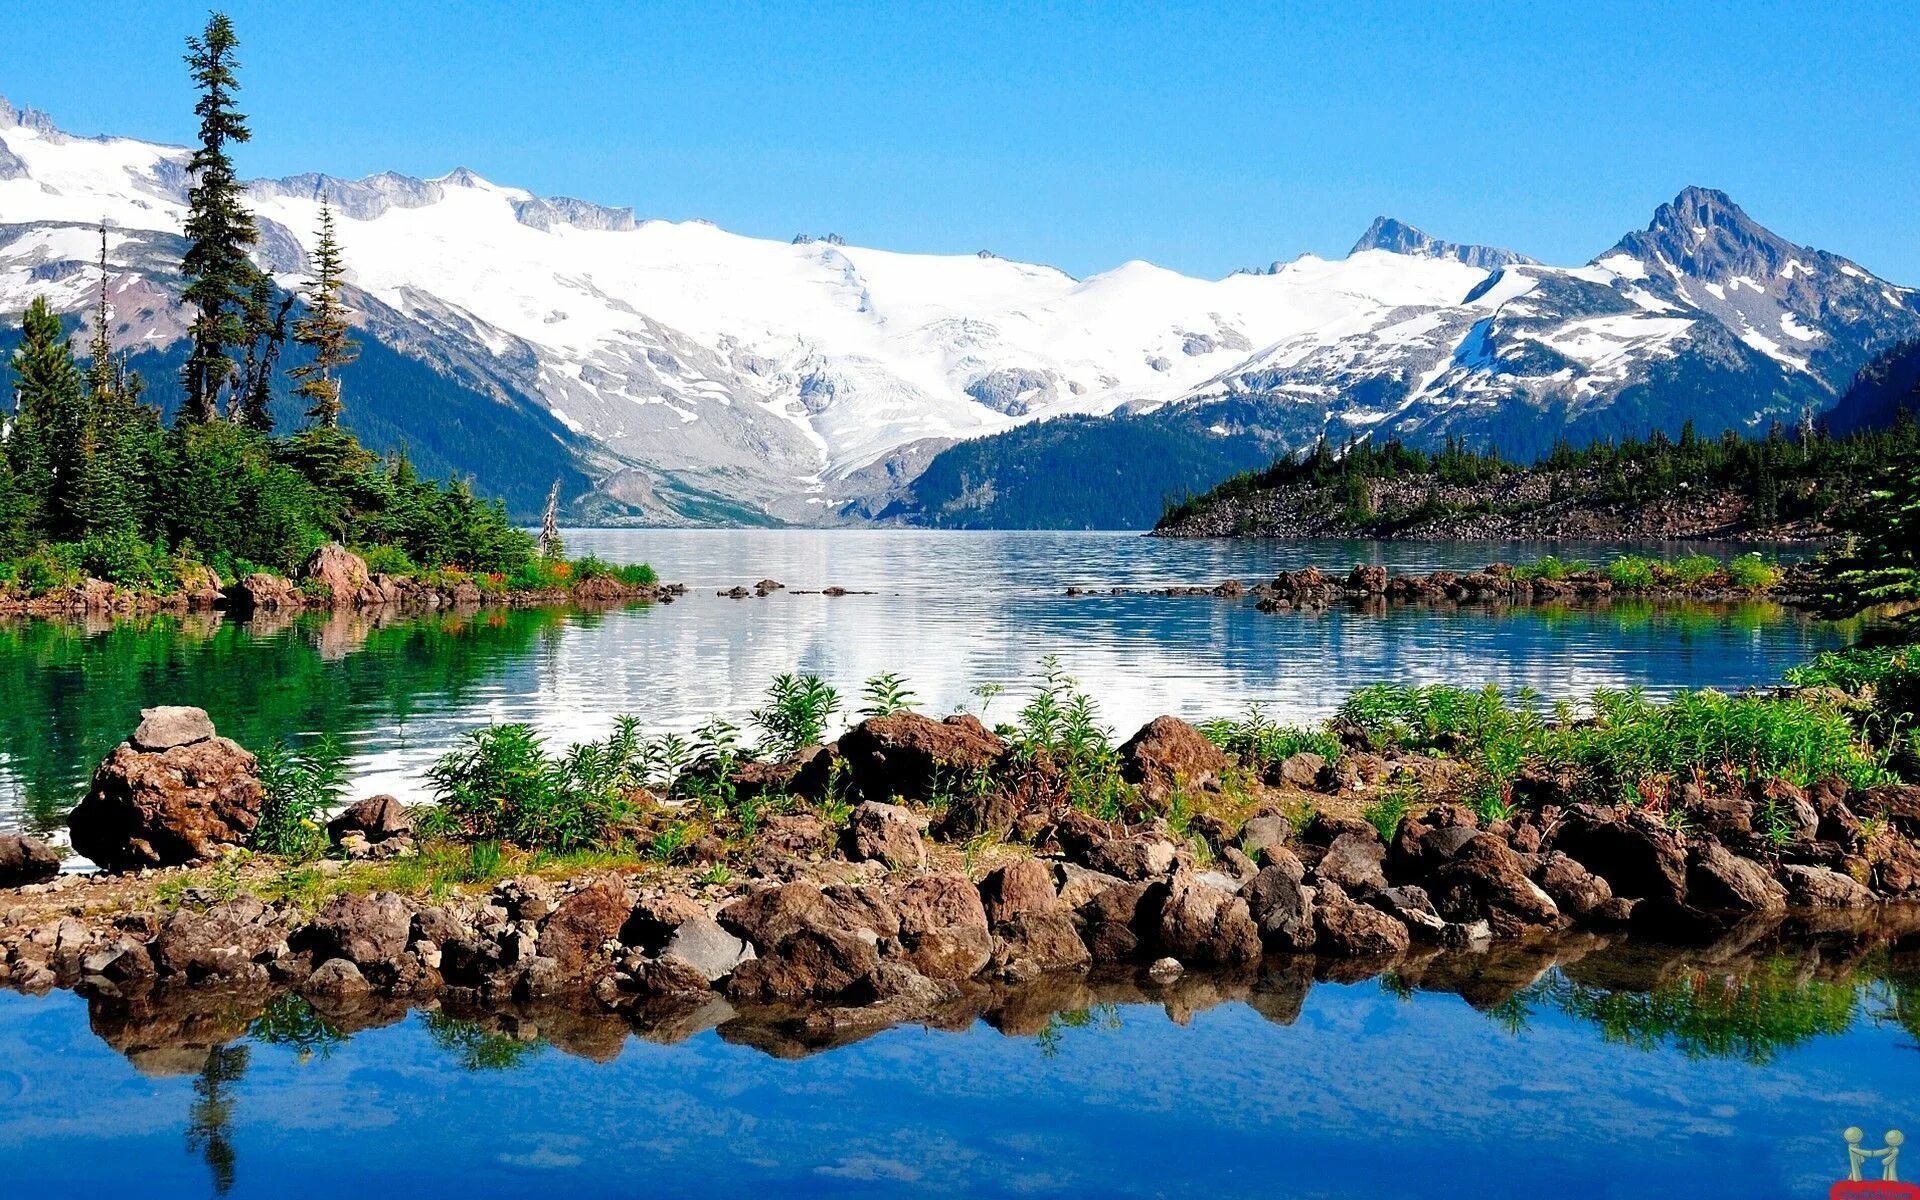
[(916, 757), (654, 918), (887, 834), (1206, 926), (1349, 930), (794, 835), (1818, 887), (170, 725), (182, 805), (1018, 887), (1166, 755), (228, 941), (943, 927), (1113, 923), (584, 922), (1047, 939), (369, 931), (1575, 890), (1639, 857), (337, 572), (26, 860), (1720, 881), (1488, 880), (1302, 770), (808, 964), (261, 591), (377, 818), (1354, 862), (1281, 908), (1143, 857)]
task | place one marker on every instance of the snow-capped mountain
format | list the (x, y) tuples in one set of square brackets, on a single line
[(691, 373)]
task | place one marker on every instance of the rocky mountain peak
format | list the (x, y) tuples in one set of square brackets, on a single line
[(1398, 237), (1703, 234)]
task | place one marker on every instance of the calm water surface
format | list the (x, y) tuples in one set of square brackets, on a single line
[(1601, 1075), (949, 611)]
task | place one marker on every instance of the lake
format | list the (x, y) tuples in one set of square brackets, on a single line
[(948, 610), (1591, 1069)]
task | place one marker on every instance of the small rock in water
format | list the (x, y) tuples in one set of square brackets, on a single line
[(1165, 970)]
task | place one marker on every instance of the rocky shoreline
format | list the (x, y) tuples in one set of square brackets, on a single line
[(871, 889), (332, 579), (1311, 588)]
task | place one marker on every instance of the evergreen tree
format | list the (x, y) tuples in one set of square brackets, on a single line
[(219, 228), (324, 330), (51, 441), (113, 474), (266, 326)]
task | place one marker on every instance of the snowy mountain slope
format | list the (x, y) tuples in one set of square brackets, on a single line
[(701, 373)]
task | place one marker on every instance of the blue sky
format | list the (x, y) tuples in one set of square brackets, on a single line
[(1202, 138)]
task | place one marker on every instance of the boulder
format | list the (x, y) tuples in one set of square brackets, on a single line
[(886, 834), (1025, 886), (1166, 755), (1427, 839), (768, 917), (1638, 856), (1078, 885), (377, 819), (654, 918), (1119, 923), (1349, 930), (336, 979), (1719, 881), (1142, 857), (1302, 770), (264, 592), (915, 757), (701, 943), (337, 573), (793, 835), (943, 927), (369, 931), (582, 923), (169, 725), (1818, 887), (181, 805), (1410, 904), (1281, 908), (1044, 939), (229, 941), (1202, 925), (1354, 862), (808, 964), (1265, 832), (26, 860), (1575, 890), (1488, 880)]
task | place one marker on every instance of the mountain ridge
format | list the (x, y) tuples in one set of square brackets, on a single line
[(688, 371)]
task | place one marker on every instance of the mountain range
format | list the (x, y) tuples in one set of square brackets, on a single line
[(672, 372)]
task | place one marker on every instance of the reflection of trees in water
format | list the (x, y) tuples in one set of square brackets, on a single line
[(210, 1120), (73, 691), (1753, 1014), (477, 1048), (1052, 1036), (290, 1021)]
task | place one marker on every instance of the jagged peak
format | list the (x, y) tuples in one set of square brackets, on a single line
[(1398, 237)]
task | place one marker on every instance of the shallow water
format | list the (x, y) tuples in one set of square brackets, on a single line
[(949, 611), (1593, 1070)]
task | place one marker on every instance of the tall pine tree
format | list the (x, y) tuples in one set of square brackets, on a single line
[(51, 440), (219, 228), (324, 330)]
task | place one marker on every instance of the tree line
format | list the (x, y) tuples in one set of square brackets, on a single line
[(94, 483)]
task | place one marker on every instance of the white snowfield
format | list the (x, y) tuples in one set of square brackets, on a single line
[(776, 372)]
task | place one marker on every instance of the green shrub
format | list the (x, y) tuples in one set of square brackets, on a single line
[(1695, 569), (1257, 741), (388, 560), (885, 695), (1752, 572), (797, 711), (502, 785), (1632, 572), (630, 574), (298, 788), (1550, 567)]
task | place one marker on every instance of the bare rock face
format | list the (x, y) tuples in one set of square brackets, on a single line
[(369, 931), (1167, 755), (1818, 887), (702, 944), (1487, 879), (183, 803), (1575, 890), (916, 757), (339, 572), (1281, 908), (26, 860), (170, 725), (887, 834), (1639, 857), (1720, 881), (230, 941), (1352, 930)]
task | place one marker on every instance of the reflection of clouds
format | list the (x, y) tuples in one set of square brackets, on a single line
[(1363, 1094)]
